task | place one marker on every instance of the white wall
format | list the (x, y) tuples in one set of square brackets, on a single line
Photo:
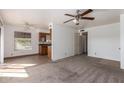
[(104, 41), (62, 42), (122, 39), (2, 45), (9, 41)]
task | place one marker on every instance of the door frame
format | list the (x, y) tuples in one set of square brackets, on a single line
[(86, 44)]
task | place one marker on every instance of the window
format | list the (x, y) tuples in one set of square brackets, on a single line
[(22, 41)]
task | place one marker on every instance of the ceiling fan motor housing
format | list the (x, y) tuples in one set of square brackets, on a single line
[(77, 23)]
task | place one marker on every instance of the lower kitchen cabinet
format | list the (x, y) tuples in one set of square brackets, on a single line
[(43, 49)]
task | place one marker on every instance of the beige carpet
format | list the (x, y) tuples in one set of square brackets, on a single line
[(77, 69)]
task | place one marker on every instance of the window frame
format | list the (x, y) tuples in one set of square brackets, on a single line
[(15, 49)]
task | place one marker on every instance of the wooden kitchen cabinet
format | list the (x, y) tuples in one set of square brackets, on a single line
[(43, 49), (49, 52), (45, 43)]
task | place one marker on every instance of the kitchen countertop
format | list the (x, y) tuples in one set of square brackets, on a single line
[(45, 44)]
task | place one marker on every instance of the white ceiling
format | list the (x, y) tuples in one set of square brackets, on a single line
[(42, 17)]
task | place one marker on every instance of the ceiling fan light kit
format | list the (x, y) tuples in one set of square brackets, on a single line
[(81, 32), (80, 16), (76, 22)]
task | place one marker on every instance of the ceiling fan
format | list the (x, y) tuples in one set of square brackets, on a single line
[(28, 26), (80, 16)]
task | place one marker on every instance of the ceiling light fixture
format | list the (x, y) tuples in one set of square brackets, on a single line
[(28, 26), (50, 25), (76, 21), (81, 32)]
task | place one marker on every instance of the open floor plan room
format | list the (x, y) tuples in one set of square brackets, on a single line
[(61, 46)]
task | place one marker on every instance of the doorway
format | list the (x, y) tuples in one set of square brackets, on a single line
[(81, 43), (85, 43)]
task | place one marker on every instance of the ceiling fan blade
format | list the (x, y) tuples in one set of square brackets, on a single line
[(68, 20), (88, 18), (70, 15), (86, 12)]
